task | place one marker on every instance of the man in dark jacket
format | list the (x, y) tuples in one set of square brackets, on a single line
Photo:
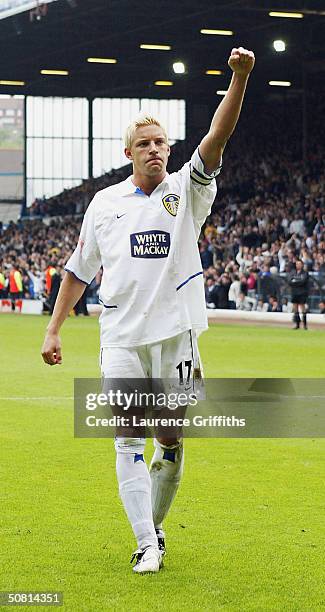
[(298, 281), (211, 293), (54, 288), (223, 291)]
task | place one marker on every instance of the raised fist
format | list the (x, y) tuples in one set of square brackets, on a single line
[(241, 61)]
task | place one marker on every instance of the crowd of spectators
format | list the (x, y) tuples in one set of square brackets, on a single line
[(32, 246), (269, 212), (75, 201)]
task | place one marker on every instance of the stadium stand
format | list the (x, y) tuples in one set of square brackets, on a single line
[(269, 211)]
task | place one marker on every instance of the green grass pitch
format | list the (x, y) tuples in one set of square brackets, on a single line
[(246, 529)]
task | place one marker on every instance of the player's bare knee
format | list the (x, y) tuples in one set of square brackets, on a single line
[(130, 445), (169, 441)]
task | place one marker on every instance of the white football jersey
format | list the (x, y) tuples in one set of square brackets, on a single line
[(152, 284)]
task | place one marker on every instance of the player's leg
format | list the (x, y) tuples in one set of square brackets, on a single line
[(304, 315), (296, 317), (135, 489), (166, 470), (177, 362), (131, 469), (135, 492)]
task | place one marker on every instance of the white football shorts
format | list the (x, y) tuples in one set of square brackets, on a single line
[(176, 359), (171, 366)]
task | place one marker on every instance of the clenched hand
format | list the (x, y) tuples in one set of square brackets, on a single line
[(241, 61), (51, 349)]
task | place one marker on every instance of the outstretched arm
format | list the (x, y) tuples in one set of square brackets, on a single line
[(70, 292), (226, 116)]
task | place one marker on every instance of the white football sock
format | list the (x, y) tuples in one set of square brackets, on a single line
[(135, 491), (166, 470)]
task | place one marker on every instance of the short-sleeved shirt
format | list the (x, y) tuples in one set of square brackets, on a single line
[(152, 284)]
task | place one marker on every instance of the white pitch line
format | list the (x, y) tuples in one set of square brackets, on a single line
[(32, 399), (308, 396)]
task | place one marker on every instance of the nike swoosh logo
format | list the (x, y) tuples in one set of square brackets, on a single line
[(119, 216)]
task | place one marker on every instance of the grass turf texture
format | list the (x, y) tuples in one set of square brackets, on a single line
[(246, 529)]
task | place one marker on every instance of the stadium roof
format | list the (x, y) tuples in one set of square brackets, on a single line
[(62, 34)]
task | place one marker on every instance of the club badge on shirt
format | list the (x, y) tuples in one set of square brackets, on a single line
[(171, 203)]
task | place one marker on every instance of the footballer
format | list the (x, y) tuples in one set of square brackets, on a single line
[(143, 232)]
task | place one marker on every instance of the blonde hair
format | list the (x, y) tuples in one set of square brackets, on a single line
[(140, 121)]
